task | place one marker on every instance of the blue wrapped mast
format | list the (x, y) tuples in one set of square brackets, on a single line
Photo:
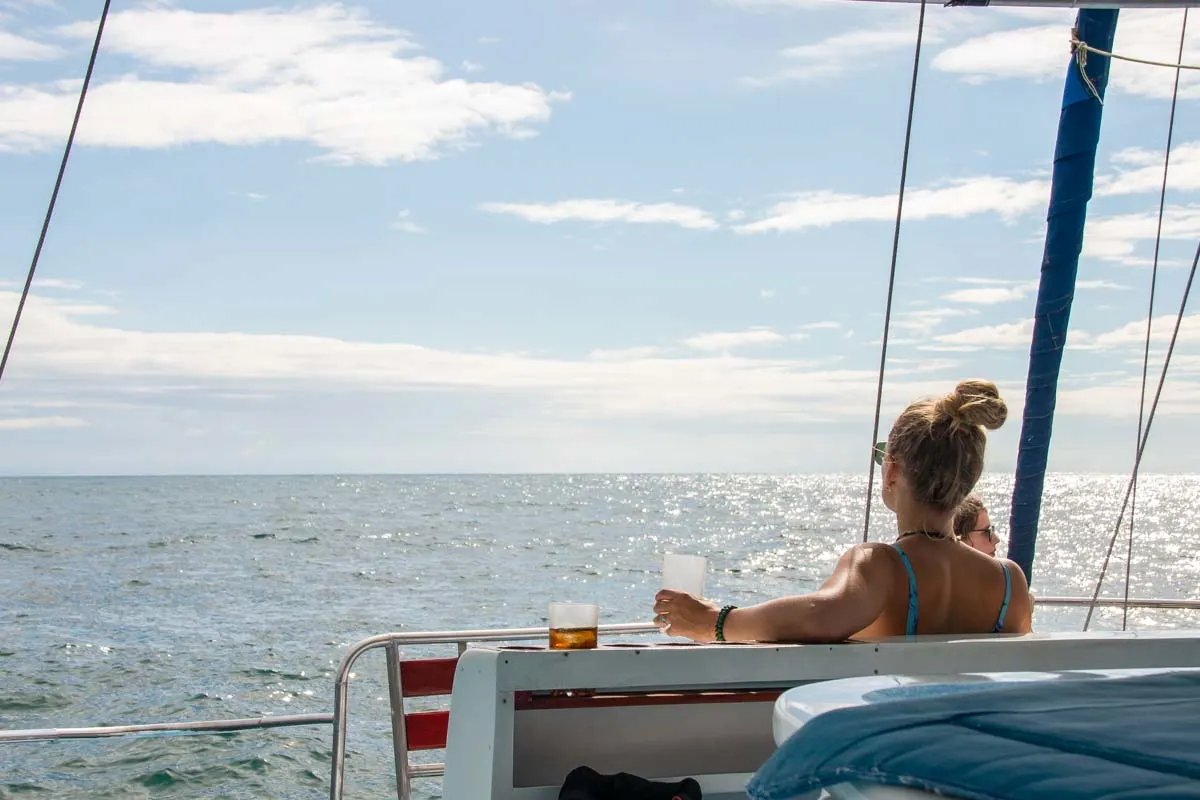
[(1070, 191)]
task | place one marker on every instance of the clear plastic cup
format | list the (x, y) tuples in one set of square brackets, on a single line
[(683, 573), (574, 626)]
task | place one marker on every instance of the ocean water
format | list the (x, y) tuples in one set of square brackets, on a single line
[(129, 600)]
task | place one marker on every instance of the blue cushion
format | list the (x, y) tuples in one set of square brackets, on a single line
[(1123, 738)]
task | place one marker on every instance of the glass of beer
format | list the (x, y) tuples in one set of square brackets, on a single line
[(574, 626)]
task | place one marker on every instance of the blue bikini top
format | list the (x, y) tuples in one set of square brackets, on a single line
[(910, 629)]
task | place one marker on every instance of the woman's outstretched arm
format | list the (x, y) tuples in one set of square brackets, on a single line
[(851, 599)]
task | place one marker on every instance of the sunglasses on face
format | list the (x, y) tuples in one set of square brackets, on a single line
[(880, 451), (989, 532)]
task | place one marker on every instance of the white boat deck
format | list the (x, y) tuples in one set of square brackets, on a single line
[(706, 711)]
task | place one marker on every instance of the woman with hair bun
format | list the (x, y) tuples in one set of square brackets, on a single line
[(925, 582)]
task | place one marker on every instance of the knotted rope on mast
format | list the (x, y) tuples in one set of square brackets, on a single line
[(1080, 49)]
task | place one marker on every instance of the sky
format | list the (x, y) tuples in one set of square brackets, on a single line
[(567, 235)]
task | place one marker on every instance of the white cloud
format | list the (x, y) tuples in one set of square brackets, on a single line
[(732, 340), (1181, 363), (922, 322), (1030, 52), (1146, 173), (1120, 397), (59, 346), (596, 210), (38, 423), (627, 353), (1003, 335), (1020, 334), (403, 223), (837, 54), (1040, 52), (257, 197), (1116, 238), (889, 31), (20, 48), (326, 75), (988, 295), (1134, 333), (471, 66), (828, 325), (1000, 291), (767, 294), (1112, 238), (1004, 196), (56, 283)]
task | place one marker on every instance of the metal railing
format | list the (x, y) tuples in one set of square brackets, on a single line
[(205, 726), (1116, 602), (405, 772), (391, 643)]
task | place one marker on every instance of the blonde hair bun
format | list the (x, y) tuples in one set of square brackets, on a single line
[(975, 402)]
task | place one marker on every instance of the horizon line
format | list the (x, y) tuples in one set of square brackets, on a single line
[(515, 473)]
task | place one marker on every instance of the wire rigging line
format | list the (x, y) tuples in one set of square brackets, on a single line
[(62, 168), (887, 317), (1162, 378), (1162, 201)]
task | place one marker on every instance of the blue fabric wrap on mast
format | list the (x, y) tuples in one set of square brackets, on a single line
[(1070, 191)]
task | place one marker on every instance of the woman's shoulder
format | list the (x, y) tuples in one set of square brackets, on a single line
[(1019, 586), (869, 557), (871, 552), (1014, 571)]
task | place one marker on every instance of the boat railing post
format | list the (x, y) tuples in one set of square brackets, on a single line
[(399, 734), (341, 691)]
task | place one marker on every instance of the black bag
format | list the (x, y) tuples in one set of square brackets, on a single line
[(584, 783)]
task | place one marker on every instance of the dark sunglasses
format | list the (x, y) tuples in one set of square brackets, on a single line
[(990, 530), (880, 451)]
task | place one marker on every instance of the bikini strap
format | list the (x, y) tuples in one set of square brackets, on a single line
[(1007, 596), (910, 628)]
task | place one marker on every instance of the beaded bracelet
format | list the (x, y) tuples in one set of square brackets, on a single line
[(721, 622)]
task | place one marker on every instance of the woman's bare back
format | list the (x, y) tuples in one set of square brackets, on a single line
[(959, 591)]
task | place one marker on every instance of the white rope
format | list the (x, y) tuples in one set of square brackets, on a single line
[(1078, 47)]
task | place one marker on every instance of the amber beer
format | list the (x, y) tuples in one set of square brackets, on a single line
[(574, 626), (573, 638)]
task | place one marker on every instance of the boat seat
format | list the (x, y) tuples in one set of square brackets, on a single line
[(1028, 736)]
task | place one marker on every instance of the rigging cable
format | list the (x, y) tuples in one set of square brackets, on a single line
[(1162, 201), (1162, 378), (887, 317), (1131, 494), (62, 168)]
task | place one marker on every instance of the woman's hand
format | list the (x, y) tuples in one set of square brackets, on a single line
[(680, 614)]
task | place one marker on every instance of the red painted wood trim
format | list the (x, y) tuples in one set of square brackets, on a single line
[(427, 730), (428, 677), (531, 701)]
